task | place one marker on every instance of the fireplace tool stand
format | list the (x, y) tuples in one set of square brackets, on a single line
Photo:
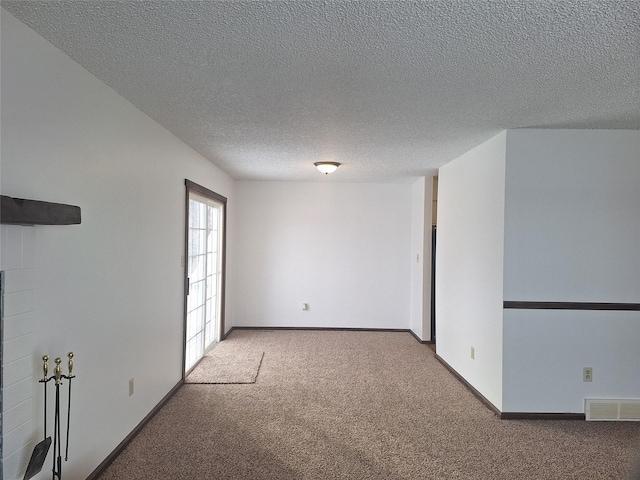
[(41, 449)]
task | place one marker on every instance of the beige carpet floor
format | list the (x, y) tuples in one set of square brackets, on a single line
[(360, 405)]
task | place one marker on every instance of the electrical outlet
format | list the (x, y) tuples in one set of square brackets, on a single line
[(130, 386), (587, 374), (473, 353)]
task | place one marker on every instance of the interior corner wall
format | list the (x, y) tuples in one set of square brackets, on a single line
[(469, 265), (342, 248), (421, 200), (572, 234), (111, 288)]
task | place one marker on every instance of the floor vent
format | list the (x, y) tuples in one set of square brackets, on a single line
[(621, 410)]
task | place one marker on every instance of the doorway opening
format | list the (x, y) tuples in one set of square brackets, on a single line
[(432, 340), (205, 245), (434, 228)]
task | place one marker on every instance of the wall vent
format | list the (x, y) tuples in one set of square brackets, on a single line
[(611, 409)]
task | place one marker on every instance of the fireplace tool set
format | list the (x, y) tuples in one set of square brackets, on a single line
[(40, 451)]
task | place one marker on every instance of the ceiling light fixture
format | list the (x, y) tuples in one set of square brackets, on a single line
[(327, 167)]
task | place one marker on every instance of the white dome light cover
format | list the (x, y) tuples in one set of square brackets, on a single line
[(327, 167)]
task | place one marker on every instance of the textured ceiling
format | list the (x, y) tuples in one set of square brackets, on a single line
[(391, 89)]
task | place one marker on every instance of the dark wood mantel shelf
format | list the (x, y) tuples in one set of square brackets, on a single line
[(18, 211)]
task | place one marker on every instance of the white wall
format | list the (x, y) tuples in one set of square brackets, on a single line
[(110, 289), (469, 265), (572, 234), (572, 216), (421, 203), (546, 350), (345, 249)]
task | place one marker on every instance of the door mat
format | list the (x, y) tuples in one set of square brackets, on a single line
[(227, 366)]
